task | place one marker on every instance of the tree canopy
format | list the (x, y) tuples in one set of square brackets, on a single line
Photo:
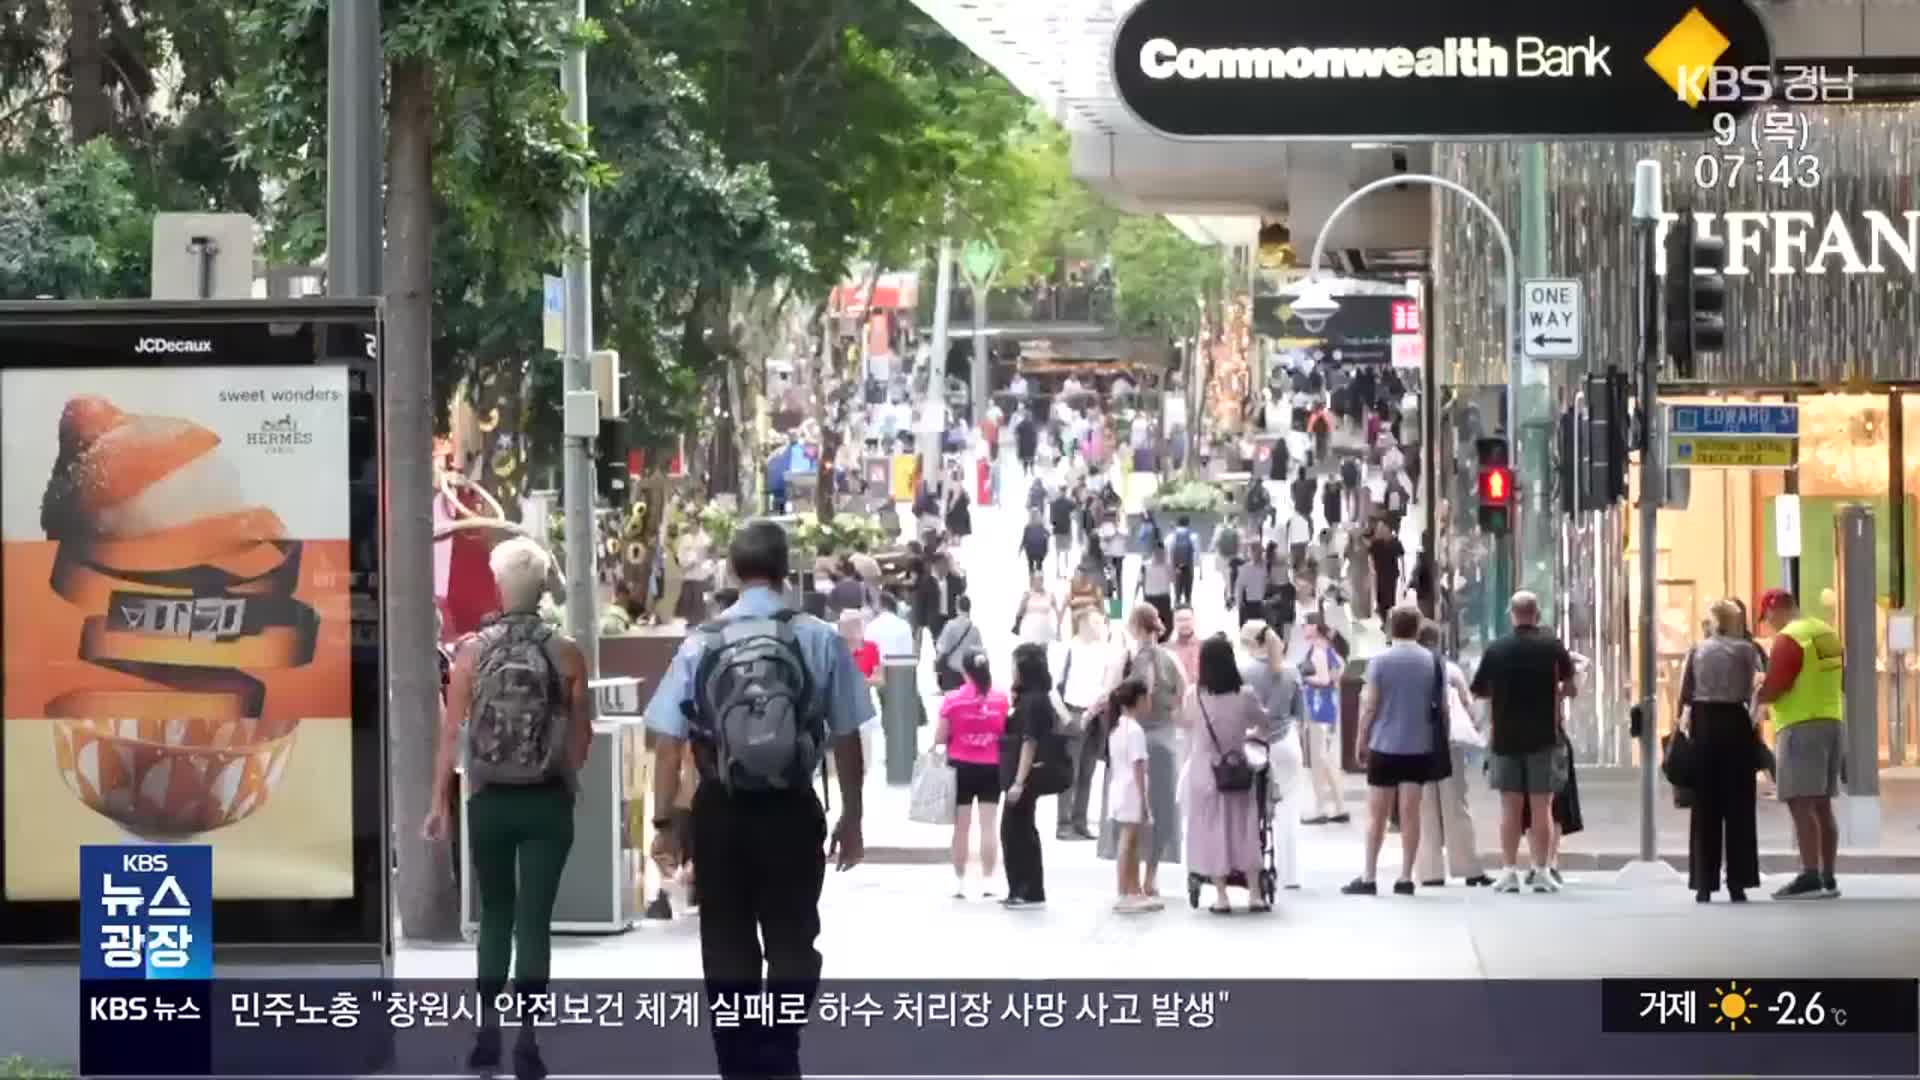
[(1161, 278)]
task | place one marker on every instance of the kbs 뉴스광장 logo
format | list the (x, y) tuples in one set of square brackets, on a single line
[(146, 911)]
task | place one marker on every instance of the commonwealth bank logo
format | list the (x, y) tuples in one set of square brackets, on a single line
[(1693, 45)]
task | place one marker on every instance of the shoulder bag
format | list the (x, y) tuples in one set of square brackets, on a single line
[(1461, 730), (1052, 771), (943, 674), (1439, 720), (1232, 772)]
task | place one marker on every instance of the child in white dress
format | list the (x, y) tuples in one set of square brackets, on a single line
[(1126, 793)]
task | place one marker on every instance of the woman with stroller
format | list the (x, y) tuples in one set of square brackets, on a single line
[(1223, 827), (1275, 684)]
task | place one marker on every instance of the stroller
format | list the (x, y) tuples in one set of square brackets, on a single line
[(1268, 887)]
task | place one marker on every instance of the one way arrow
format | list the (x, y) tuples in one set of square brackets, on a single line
[(1543, 340)]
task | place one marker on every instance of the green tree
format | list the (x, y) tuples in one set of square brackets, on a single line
[(476, 133), (77, 230), (842, 105), (110, 111), (1169, 287)]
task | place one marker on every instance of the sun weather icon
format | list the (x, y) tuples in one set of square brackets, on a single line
[(1735, 1006)]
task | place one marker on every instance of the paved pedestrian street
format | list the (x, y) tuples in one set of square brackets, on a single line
[(900, 922)]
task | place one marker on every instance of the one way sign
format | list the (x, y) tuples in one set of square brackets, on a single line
[(1550, 319)]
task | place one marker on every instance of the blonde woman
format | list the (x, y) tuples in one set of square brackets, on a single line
[(1275, 683)]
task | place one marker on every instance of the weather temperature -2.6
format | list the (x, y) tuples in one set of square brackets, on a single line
[(1864, 1006)]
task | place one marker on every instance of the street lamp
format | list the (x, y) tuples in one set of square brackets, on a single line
[(1320, 296), (1315, 305)]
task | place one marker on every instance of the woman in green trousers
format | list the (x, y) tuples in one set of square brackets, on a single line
[(519, 714)]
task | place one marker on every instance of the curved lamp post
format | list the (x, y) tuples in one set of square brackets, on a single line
[(1323, 299), (1316, 303)]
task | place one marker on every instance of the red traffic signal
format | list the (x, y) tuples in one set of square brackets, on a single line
[(1496, 485)]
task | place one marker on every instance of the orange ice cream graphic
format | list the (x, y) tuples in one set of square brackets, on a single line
[(185, 589)]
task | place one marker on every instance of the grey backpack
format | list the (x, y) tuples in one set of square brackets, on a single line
[(755, 725), (516, 726)]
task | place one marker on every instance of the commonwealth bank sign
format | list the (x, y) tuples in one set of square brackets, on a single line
[(1414, 69)]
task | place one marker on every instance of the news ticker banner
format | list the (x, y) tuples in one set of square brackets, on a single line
[(1732, 1027)]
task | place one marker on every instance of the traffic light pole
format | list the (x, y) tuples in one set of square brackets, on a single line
[(577, 494), (1646, 219)]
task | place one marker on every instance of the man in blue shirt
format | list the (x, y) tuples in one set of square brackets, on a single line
[(763, 855), (778, 464)]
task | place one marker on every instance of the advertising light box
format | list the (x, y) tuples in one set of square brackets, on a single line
[(189, 630), (1414, 69)]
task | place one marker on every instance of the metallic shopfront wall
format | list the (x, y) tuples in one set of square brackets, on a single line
[(1783, 330)]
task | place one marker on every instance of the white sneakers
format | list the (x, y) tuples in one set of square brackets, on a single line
[(1540, 881)]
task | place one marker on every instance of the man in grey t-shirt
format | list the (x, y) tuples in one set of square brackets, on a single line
[(1396, 744)]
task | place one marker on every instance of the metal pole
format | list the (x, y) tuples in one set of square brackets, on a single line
[(1529, 393), (577, 494), (1646, 217), (932, 421), (355, 149), (981, 385)]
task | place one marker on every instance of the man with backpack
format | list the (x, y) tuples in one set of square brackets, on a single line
[(1061, 513), (1259, 505), (757, 697), (1186, 551), (1033, 543), (1226, 549), (517, 698)]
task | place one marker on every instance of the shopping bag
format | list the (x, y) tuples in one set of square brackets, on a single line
[(1461, 730), (931, 797), (1285, 767)]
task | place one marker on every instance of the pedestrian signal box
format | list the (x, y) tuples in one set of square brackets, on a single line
[(1496, 486)]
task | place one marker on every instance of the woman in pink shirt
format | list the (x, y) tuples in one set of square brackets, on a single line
[(973, 716)]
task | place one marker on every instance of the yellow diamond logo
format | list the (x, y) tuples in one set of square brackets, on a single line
[(1692, 45)]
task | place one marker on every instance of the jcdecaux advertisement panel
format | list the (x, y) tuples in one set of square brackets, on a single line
[(188, 638)]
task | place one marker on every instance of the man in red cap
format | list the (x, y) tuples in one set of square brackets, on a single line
[(1805, 691)]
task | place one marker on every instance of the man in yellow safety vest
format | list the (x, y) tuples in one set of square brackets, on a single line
[(1805, 690)]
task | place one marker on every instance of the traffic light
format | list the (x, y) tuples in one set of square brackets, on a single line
[(1696, 295), (1496, 486), (610, 461)]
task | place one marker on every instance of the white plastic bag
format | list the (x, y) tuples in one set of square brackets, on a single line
[(933, 793)]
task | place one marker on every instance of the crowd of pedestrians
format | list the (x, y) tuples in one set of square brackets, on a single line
[(1212, 746)]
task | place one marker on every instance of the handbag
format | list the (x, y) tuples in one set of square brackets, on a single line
[(1232, 771), (1461, 730), (1679, 765), (1052, 771), (934, 791)]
